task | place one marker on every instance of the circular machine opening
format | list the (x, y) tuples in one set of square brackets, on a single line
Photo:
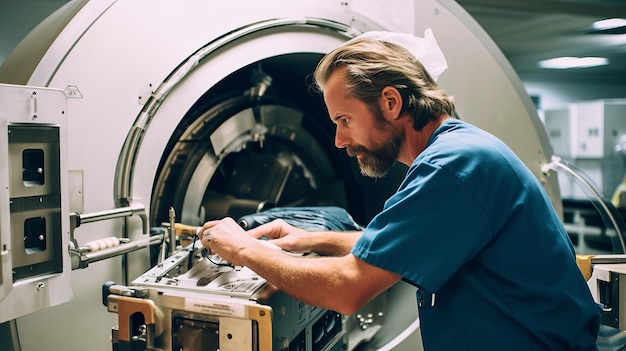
[(260, 138)]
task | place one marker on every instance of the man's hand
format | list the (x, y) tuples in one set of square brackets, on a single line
[(284, 235), (226, 238)]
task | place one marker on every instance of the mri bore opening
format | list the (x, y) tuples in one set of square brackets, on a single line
[(259, 138)]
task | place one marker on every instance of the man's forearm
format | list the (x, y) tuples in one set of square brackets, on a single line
[(333, 243)]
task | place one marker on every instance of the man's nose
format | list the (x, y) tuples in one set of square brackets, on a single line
[(341, 140)]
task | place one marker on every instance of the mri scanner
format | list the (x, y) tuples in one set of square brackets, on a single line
[(131, 121)]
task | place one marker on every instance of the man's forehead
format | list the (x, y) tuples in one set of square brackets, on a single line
[(336, 82)]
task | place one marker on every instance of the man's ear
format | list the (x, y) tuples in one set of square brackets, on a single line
[(391, 102)]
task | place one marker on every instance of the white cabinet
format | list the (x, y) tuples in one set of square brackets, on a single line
[(586, 134), (597, 127)]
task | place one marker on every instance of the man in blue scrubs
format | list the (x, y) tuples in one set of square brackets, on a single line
[(470, 225)]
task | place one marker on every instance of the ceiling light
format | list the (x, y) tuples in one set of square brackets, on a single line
[(573, 62), (609, 23)]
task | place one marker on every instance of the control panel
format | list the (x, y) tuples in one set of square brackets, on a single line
[(34, 218)]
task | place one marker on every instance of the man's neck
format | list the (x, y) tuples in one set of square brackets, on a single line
[(416, 141)]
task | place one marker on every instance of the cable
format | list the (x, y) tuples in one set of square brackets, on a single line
[(191, 252), (605, 208), (205, 253)]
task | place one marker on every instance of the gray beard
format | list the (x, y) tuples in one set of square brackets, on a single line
[(377, 163)]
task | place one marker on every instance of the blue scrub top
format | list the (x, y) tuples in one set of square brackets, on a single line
[(472, 224)]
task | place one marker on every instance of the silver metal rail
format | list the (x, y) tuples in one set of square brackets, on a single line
[(81, 256), (90, 257)]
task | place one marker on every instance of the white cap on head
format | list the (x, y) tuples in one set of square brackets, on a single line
[(426, 49)]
